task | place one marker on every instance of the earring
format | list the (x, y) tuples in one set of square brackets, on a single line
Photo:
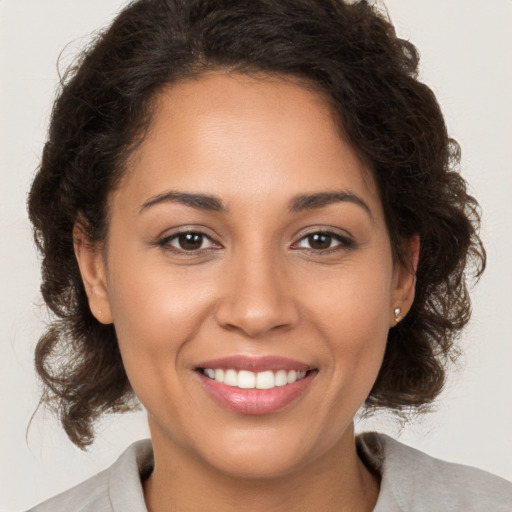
[(398, 314)]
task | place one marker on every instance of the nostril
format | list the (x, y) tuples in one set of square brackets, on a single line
[(254, 316)]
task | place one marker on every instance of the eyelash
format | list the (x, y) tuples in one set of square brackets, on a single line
[(166, 242), (344, 242)]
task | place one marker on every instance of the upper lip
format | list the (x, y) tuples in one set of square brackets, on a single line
[(255, 364)]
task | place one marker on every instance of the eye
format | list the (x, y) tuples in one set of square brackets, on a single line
[(323, 241), (188, 241)]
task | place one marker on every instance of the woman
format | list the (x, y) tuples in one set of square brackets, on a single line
[(250, 221)]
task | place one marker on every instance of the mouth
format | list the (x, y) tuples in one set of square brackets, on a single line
[(246, 379), (255, 386)]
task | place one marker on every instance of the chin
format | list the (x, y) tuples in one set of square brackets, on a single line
[(264, 465), (267, 452)]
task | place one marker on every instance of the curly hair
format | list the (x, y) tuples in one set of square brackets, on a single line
[(348, 51)]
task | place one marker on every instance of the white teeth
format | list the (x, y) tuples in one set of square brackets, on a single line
[(230, 378), (292, 376), (245, 379), (265, 380), (281, 378)]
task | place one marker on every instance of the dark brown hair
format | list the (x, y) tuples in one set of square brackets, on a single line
[(348, 51)]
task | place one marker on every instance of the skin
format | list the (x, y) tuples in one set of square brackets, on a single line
[(257, 286)]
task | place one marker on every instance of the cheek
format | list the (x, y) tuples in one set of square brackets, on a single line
[(355, 303), (155, 321), (155, 313), (353, 316)]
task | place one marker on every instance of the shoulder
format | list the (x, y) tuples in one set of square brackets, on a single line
[(415, 482), (117, 489)]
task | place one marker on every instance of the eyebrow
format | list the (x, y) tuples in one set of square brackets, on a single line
[(299, 203), (320, 199), (199, 201)]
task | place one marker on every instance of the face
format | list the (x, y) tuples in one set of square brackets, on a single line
[(249, 275)]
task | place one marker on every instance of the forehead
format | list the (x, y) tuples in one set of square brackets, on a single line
[(238, 136)]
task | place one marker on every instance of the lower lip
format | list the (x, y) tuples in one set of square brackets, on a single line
[(256, 401)]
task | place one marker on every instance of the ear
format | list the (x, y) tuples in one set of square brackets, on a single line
[(404, 281), (90, 260)]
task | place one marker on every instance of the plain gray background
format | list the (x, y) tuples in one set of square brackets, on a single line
[(466, 49)]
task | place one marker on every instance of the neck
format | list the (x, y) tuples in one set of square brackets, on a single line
[(336, 481)]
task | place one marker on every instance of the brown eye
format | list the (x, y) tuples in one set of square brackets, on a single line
[(324, 241), (319, 241), (187, 241), (190, 241)]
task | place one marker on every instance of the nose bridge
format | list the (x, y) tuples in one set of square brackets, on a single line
[(258, 296)]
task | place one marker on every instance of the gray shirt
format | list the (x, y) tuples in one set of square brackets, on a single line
[(410, 481)]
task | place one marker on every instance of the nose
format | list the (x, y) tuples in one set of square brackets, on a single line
[(257, 298)]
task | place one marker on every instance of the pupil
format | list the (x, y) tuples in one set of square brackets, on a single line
[(190, 241), (319, 241)]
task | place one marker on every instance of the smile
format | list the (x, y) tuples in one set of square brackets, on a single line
[(255, 386), (245, 379)]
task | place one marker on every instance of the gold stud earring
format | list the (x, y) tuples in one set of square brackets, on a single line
[(398, 314)]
